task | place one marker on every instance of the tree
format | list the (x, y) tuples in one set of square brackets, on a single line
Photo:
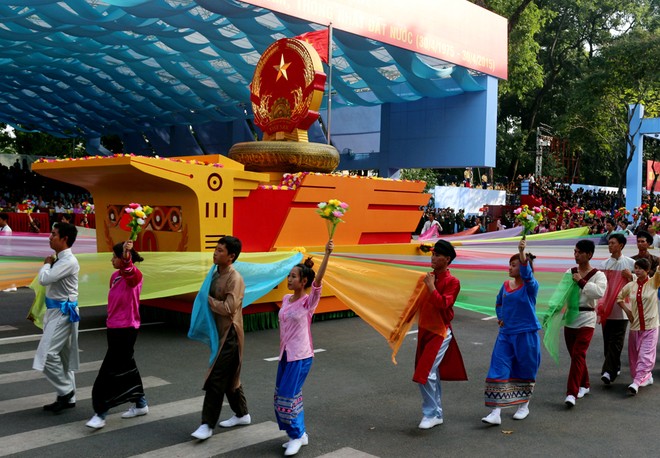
[(427, 175), (7, 142), (622, 74), (551, 46)]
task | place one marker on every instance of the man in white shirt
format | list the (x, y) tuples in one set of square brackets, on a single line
[(57, 354), (430, 223), (4, 227), (579, 331), (618, 270)]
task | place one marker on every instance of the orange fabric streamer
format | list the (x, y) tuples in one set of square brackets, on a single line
[(386, 297)]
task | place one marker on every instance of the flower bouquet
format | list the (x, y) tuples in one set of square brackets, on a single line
[(529, 218), (28, 205), (138, 214), (87, 208), (332, 211), (621, 213)]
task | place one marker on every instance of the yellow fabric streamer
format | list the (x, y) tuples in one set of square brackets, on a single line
[(386, 297), (165, 274)]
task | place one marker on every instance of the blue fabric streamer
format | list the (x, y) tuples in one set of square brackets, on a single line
[(66, 307), (259, 280)]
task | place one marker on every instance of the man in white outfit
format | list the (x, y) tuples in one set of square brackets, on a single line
[(618, 270), (57, 354)]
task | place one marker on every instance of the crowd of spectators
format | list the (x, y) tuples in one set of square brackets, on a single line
[(20, 185), (563, 209), (566, 209)]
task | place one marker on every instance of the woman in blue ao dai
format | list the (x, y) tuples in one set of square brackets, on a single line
[(517, 352)]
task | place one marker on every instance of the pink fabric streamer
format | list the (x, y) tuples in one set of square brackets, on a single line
[(615, 282), (431, 233), (25, 244)]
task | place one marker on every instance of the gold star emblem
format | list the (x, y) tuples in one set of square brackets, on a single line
[(281, 69)]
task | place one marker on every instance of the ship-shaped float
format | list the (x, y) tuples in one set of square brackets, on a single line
[(265, 192)]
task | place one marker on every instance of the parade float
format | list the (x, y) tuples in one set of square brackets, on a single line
[(265, 192)]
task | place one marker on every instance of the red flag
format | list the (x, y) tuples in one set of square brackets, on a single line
[(319, 41)]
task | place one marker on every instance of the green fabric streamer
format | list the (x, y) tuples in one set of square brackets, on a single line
[(563, 309)]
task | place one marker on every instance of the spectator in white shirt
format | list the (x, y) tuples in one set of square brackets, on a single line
[(4, 227)]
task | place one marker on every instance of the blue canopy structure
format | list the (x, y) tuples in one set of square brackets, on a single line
[(154, 68)]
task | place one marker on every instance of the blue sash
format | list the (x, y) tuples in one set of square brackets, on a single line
[(66, 307)]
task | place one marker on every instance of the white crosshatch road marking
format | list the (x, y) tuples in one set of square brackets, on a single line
[(32, 402), (33, 439), (24, 376), (221, 443)]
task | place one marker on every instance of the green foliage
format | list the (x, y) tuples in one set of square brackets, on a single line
[(40, 144), (427, 175), (624, 73), (565, 58), (7, 143)]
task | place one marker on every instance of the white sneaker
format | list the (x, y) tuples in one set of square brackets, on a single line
[(522, 412), (570, 400), (203, 432), (96, 422), (633, 388), (293, 447), (649, 381), (606, 378), (582, 392), (135, 412), (492, 418), (235, 421), (304, 439), (428, 423)]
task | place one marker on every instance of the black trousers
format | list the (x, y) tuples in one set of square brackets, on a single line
[(614, 334), (118, 380), (220, 383)]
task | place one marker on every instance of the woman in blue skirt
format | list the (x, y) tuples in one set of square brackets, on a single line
[(296, 350), (517, 353)]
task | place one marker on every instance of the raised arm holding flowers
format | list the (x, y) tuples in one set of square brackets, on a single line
[(332, 211), (529, 218), (138, 215)]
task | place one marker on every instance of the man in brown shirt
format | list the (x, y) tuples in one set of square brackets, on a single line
[(223, 378), (644, 241)]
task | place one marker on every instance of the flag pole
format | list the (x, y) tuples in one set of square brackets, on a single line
[(329, 79)]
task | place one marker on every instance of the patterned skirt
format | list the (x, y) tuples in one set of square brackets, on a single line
[(513, 366), (288, 399)]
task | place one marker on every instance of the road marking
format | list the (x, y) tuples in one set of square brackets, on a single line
[(239, 438), (37, 337), (37, 401), (488, 318), (347, 452), (6, 327), (17, 356), (277, 358), (36, 438), (20, 356), (24, 376), (412, 332)]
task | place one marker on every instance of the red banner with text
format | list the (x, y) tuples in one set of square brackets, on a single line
[(455, 31), (652, 169)]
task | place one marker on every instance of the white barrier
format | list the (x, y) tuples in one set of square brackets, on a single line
[(470, 199)]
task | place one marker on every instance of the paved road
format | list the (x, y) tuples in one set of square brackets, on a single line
[(357, 403)]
